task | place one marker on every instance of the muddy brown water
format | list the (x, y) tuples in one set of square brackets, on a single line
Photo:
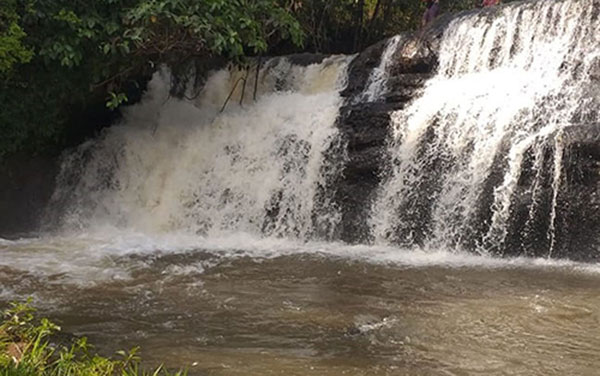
[(314, 314)]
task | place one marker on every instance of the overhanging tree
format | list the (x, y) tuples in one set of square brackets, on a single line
[(58, 56)]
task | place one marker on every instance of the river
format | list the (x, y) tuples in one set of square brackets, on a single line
[(273, 307)]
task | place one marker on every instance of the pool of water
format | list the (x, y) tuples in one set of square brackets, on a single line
[(272, 308)]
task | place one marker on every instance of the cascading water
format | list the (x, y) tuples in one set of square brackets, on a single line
[(506, 87), (213, 166), (376, 84)]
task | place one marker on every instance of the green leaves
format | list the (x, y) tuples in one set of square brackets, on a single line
[(13, 51), (131, 32), (208, 27), (25, 351), (114, 100), (68, 16)]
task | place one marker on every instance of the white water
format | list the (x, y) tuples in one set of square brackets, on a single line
[(377, 83), (176, 176), (180, 165), (505, 86), (88, 259)]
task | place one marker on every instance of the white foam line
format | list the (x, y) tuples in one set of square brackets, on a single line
[(91, 258)]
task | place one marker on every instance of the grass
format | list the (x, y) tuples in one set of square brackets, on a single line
[(26, 350)]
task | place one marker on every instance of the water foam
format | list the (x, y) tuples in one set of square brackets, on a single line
[(115, 255), (259, 166)]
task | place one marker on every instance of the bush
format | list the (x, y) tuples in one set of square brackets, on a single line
[(26, 350)]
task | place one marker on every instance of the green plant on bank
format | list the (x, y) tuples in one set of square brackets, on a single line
[(25, 350)]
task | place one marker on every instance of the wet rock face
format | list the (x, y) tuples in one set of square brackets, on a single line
[(570, 227), (365, 126), (579, 198)]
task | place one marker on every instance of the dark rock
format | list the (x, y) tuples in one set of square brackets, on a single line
[(578, 202), (361, 67), (26, 184), (306, 59), (415, 55), (407, 80), (531, 207), (559, 218), (366, 126)]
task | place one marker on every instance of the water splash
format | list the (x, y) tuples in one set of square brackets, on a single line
[(508, 81), (171, 165)]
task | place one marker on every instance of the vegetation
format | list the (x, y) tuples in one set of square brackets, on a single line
[(350, 25), (25, 350), (64, 64), (58, 58)]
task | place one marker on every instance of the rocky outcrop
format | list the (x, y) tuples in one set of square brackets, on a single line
[(365, 125), (578, 202)]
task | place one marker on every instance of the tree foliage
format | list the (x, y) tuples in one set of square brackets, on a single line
[(349, 25), (12, 50), (57, 57)]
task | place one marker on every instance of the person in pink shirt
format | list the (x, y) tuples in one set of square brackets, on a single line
[(489, 3)]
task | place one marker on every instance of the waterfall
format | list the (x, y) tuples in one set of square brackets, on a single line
[(254, 164), (376, 84), (509, 80), (474, 157)]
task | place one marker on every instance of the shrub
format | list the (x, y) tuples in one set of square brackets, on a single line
[(26, 350)]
